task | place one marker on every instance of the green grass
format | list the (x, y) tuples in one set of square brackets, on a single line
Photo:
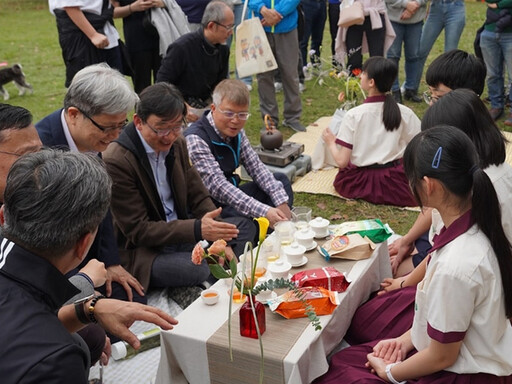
[(29, 36)]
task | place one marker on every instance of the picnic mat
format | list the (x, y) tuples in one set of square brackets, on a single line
[(321, 181)]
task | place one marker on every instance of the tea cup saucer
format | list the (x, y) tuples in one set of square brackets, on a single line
[(301, 263), (312, 246)]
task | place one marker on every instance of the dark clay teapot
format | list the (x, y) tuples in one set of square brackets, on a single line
[(271, 138)]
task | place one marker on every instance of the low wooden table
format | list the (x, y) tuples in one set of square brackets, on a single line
[(185, 355)]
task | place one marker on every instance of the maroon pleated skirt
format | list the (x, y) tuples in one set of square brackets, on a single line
[(383, 317), (375, 185), (348, 366)]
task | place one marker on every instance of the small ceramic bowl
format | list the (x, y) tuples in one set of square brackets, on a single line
[(320, 226), (305, 237), (280, 269), (210, 296), (294, 253)]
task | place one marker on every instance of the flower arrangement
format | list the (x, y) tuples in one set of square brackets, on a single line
[(224, 268), (338, 77)]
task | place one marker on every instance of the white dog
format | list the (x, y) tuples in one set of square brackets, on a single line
[(15, 74)]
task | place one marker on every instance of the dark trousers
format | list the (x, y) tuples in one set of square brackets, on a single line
[(314, 23), (375, 38), (334, 15), (145, 65)]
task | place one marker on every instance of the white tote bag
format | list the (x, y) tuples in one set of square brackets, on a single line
[(253, 52)]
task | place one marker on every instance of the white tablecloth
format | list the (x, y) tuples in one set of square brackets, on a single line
[(183, 350)]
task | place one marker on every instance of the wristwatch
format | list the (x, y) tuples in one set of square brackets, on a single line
[(80, 311)]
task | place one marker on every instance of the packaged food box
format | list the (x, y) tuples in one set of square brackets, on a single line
[(373, 229), (327, 277), (288, 305), (351, 247)]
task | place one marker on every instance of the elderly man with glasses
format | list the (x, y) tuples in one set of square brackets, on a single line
[(161, 207), (198, 61), (95, 109), (218, 145)]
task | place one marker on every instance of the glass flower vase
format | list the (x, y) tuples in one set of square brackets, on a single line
[(247, 323)]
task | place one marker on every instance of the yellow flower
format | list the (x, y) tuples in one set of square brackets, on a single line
[(263, 224)]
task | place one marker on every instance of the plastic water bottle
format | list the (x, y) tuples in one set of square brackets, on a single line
[(149, 339)]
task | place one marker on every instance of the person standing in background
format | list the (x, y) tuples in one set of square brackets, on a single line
[(194, 10), (334, 16), (141, 39), (315, 14), (450, 15)]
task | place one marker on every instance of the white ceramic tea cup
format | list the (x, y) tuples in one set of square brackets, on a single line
[(280, 269), (320, 226), (263, 296), (305, 237), (294, 253), (210, 296)]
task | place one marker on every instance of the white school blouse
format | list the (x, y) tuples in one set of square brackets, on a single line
[(461, 298), (362, 127), (501, 178)]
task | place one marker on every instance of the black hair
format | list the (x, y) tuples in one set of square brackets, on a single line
[(445, 153), (463, 109), (163, 100), (457, 69), (384, 72), (13, 117)]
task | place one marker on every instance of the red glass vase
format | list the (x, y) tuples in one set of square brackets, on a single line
[(247, 324)]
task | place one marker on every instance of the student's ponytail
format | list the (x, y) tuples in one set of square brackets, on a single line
[(487, 214), (384, 72)]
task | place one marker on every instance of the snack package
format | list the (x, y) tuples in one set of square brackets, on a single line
[(373, 229), (328, 277), (289, 306), (351, 247)]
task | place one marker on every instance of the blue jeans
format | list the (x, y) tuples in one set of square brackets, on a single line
[(409, 35), (315, 14), (237, 10), (496, 49), (447, 14)]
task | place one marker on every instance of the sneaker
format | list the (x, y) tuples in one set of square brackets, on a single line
[(249, 87), (508, 122), (278, 86), (412, 95), (295, 125), (302, 87), (496, 113)]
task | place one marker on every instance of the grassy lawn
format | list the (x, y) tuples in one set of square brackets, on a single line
[(29, 36)]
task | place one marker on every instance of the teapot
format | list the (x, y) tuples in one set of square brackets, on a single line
[(271, 138)]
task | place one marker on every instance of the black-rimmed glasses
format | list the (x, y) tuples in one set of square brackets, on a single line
[(231, 115), (164, 132), (12, 153), (228, 27), (102, 128)]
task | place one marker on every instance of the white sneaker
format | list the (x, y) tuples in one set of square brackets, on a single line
[(249, 87), (278, 86), (302, 87)]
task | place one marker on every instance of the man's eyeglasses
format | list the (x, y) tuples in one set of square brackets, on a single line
[(164, 132), (228, 27), (429, 97), (102, 128), (28, 150), (12, 153), (231, 115)]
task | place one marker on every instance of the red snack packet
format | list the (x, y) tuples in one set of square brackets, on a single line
[(328, 277)]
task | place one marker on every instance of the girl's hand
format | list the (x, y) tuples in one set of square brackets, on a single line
[(328, 136), (377, 366), (390, 351), (389, 285)]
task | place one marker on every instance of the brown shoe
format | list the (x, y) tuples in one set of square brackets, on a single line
[(496, 113)]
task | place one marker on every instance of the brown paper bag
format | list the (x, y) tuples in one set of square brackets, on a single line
[(351, 247)]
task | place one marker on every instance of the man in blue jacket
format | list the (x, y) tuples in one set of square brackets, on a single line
[(280, 23), (95, 109)]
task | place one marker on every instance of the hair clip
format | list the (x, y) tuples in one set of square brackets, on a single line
[(437, 158)]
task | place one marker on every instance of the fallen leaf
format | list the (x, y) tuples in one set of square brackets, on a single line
[(322, 206)]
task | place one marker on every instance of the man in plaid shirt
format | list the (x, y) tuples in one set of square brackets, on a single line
[(218, 145)]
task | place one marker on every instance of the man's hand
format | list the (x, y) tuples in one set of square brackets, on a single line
[(117, 316), (275, 215), (96, 271), (120, 275), (270, 17), (214, 230)]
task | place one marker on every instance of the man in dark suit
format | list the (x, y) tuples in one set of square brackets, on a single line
[(95, 109)]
